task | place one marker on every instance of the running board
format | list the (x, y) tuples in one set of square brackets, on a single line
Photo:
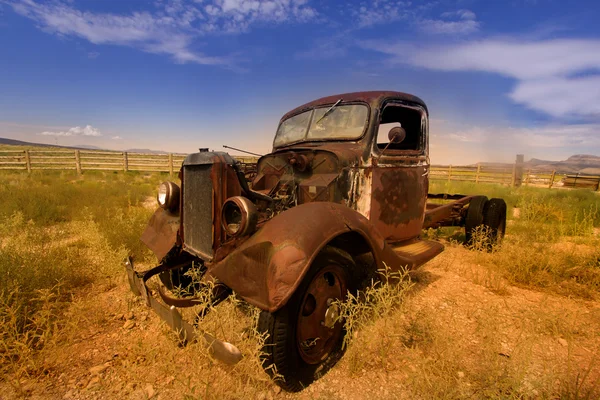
[(416, 252)]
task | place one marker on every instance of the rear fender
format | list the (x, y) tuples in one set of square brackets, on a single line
[(267, 268)]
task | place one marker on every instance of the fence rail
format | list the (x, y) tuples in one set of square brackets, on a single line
[(87, 160), (512, 176)]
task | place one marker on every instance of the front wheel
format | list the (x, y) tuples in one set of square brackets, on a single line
[(304, 337)]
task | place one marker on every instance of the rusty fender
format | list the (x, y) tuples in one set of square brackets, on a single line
[(267, 268), (160, 234)]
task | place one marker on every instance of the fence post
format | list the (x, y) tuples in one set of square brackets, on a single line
[(513, 180), (478, 171), (27, 161), (449, 173), (77, 161), (125, 162), (170, 164), (527, 177), (518, 171), (552, 179)]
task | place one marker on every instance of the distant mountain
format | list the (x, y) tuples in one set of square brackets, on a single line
[(13, 142), (146, 151), (578, 163)]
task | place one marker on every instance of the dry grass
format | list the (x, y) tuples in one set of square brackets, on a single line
[(519, 322)]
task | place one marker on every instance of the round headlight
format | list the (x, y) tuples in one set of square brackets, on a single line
[(239, 216), (168, 196)]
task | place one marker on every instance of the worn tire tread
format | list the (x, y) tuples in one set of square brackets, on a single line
[(475, 216)]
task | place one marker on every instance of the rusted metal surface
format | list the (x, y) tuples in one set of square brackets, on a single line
[(316, 339), (223, 351), (160, 234), (374, 98), (398, 201), (266, 269)]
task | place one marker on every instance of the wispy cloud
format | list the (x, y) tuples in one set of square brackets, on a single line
[(457, 22), (560, 77), (116, 138), (88, 130), (381, 12), (464, 143), (171, 29)]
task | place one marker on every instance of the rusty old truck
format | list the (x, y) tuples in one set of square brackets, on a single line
[(343, 194)]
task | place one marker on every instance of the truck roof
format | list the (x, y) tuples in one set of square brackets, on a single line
[(373, 97)]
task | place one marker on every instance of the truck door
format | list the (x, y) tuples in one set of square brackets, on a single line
[(400, 172)]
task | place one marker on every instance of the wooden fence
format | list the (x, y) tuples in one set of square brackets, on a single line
[(511, 176), (85, 160)]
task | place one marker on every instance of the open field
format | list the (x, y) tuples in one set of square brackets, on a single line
[(520, 322)]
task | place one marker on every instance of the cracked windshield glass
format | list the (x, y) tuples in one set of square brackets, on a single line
[(342, 122)]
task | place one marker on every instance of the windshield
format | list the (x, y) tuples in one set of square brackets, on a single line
[(342, 122)]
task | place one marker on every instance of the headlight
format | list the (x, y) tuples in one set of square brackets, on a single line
[(168, 196), (239, 216)]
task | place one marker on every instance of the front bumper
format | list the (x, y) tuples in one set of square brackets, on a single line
[(223, 351)]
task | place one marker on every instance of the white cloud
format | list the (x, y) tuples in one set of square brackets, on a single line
[(462, 14), (462, 144), (171, 29), (116, 138), (88, 130), (560, 96), (436, 26), (559, 77), (380, 12), (457, 22)]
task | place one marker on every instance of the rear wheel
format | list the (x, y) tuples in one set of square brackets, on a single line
[(495, 219), (474, 218), (304, 336)]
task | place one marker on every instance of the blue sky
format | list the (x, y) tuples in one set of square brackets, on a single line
[(500, 77)]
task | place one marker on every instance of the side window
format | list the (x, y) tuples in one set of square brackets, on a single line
[(407, 118)]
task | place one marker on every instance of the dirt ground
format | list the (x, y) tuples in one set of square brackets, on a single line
[(462, 332)]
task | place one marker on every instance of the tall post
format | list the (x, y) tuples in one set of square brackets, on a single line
[(478, 172), (78, 161), (27, 161), (518, 171), (513, 180), (527, 178), (125, 162), (449, 173), (170, 164), (552, 179)]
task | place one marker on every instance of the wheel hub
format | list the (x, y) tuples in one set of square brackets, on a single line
[(332, 314), (319, 328)]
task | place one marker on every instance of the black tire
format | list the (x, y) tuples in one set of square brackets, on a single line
[(475, 216), (494, 218), (283, 352)]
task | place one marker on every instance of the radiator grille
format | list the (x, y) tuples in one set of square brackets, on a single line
[(197, 210)]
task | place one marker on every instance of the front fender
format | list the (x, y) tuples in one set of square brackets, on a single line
[(268, 267), (160, 234)]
